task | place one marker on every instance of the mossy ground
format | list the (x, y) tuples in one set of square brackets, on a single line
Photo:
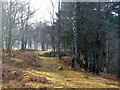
[(57, 78)]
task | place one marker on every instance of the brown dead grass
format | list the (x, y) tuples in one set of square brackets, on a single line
[(46, 73)]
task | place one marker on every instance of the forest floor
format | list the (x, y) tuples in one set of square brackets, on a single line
[(31, 69)]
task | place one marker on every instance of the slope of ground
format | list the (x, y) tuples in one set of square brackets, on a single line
[(20, 71)]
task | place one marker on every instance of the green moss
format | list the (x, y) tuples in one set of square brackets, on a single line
[(70, 68)]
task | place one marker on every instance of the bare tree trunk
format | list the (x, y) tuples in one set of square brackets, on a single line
[(53, 41), (94, 61), (59, 23), (53, 37), (119, 41), (86, 60), (22, 43), (9, 32), (1, 29), (106, 43), (76, 37), (43, 46), (91, 57), (74, 59)]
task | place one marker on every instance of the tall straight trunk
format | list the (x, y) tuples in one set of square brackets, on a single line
[(86, 61), (47, 47), (90, 66), (53, 42), (97, 64), (53, 23), (59, 23), (94, 62), (119, 41), (1, 28), (98, 54), (22, 38), (106, 43), (22, 43), (74, 57), (79, 20), (86, 54), (74, 61), (43, 46), (77, 33), (76, 36), (1, 18), (9, 32), (35, 43), (29, 44), (25, 42), (6, 36)]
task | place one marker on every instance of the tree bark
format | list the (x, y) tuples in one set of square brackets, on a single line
[(9, 32), (59, 23), (119, 41)]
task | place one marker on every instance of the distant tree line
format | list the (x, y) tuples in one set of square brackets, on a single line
[(19, 31)]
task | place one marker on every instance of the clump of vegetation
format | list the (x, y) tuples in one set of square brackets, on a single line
[(15, 73), (36, 79), (61, 68)]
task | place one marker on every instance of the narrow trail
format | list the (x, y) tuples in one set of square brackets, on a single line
[(67, 78)]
